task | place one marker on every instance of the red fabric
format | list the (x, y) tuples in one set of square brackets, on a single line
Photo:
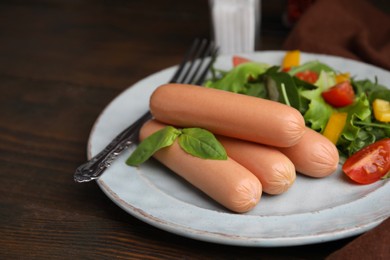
[(353, 29)]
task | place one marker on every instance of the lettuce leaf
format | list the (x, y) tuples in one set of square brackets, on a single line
[(238, 80), (326, 80), (311, 65), (358, 111), (318, 114)]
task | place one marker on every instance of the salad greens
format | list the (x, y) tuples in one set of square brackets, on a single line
[(271, 82), (241, 79)]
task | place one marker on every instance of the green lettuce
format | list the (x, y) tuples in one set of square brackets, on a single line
[(241, 79), (262, 80), (315, 66)]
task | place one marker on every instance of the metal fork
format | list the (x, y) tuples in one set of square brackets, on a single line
[(192, 70)]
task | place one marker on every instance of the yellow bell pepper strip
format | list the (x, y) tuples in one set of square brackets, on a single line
[(291, 59), (342, 77), (381, 110), (335, 126)]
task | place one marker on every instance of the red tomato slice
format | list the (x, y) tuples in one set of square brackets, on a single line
[(308, 76), (370, 163), (237, 60), (340, 95)]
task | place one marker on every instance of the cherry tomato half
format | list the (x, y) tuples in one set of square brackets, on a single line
[(308, 76), (340, 95), (370, 163), (237, 60)]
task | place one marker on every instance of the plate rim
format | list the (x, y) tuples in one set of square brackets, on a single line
[(223, 239)]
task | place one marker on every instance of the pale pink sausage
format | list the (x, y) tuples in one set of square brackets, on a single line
[(314, 155), (274, 170), (225, 181), (226, 113)]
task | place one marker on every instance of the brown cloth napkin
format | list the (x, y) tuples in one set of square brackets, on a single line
[(357, 30), (374, 244), (354, 29)]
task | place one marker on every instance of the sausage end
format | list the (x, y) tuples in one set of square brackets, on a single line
[(283, 177), (246, 196)]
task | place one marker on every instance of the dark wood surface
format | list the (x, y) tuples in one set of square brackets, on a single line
[(61, 63)]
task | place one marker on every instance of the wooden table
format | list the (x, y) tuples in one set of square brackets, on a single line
[(61, 63)]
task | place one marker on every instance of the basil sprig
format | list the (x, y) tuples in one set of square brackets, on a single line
[(195, 141), (156, 141)]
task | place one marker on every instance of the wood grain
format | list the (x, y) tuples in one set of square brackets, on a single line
[(61, 63)]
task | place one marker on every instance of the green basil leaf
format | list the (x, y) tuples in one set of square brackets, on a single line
[(156, 141), (201, 143)]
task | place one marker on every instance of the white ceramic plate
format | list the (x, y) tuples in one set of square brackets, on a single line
[(312, 211)]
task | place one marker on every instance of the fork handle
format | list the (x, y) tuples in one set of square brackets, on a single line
[(94, 168)]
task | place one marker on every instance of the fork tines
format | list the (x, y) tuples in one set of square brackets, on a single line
[(196, 63)]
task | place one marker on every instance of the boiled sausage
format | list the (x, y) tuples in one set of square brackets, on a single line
[(226, 113), (226, 181), (314, 155), (274, 170)]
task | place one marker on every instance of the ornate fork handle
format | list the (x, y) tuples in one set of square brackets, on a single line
[(95, 167), (186, 73)]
